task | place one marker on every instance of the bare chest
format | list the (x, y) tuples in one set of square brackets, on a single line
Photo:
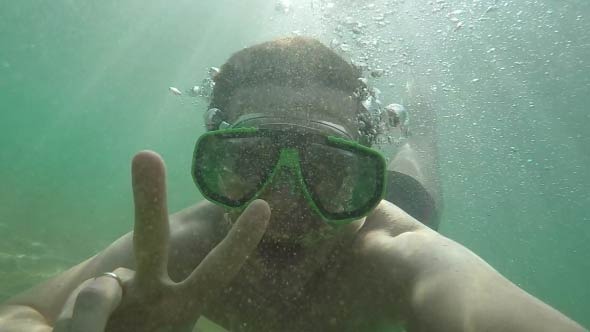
[(339, 300)]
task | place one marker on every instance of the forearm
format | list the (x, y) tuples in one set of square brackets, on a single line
[(460, 292)]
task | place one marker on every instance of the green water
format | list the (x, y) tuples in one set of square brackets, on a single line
[(84, 86)]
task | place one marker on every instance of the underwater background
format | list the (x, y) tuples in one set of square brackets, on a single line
[(84, 86)]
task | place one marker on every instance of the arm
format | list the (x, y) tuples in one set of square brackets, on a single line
[(455, 290), (445, 286)]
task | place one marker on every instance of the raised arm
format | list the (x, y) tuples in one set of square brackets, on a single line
[(455, 290), (447, 287)]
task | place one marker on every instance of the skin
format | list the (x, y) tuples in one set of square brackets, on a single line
[(383, 269)]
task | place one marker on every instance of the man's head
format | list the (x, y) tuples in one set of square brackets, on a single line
[(305, 85)]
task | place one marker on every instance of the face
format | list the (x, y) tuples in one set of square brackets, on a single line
[(293, 222)]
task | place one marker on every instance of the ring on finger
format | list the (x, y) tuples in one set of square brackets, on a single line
[(114, 276)]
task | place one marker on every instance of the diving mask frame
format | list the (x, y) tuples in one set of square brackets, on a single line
[(289, 158)]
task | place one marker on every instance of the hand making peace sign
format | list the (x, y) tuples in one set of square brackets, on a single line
[(147, 299)]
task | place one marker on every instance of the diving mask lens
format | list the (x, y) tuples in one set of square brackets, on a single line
[(343, 181), (231, 168)]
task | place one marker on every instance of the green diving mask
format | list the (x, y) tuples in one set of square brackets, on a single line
[(341, 179)]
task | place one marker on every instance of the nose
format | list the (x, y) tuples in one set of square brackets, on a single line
[(284, 183), (291, 213), (284, 193)]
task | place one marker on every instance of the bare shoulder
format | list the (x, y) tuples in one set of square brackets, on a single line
[(200, 212), (194, 232), (387, 221), (405, 253), (203, 221), (390, 241)]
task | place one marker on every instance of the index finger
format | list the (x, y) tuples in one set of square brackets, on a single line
[(220, 266), (151, 231)]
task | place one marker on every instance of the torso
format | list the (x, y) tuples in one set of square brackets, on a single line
[(346, 294)]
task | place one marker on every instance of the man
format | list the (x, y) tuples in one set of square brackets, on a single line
[(298, 238)]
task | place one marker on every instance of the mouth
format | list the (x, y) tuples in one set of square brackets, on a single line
[(291, 223), (288, 243)]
